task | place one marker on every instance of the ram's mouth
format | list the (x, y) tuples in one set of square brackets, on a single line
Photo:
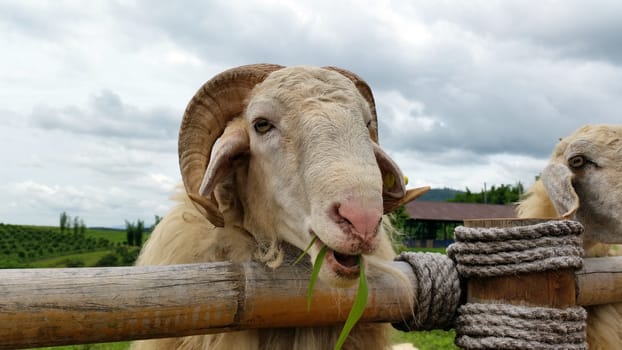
[(343, 265)]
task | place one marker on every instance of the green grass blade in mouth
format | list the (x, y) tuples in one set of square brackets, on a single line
[(360, 301), (304, 252), (316, 272)]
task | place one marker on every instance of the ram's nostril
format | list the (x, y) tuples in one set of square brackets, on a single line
[(357, 218)]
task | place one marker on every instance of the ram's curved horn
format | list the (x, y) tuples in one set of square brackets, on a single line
[(218, 101), (365, 91)]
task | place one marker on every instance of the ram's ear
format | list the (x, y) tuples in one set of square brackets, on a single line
[(231, 145), (557, 180), (394, 193)]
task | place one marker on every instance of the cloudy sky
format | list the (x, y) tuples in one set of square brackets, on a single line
[(92, 93)]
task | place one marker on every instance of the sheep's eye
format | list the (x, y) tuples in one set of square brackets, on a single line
[(262, 126), (577, 162), (368, 124)]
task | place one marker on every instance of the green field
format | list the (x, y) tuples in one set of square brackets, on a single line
[(427, 340), (87, 259), (43, 246), (114, 236)]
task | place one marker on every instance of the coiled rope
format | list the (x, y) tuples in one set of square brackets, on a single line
[(490, 252), (438, 293), (502, 326)]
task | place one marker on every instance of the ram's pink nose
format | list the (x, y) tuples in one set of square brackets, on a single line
[(363, 219)]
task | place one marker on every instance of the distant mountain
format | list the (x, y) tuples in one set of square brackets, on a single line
[(439, 194)]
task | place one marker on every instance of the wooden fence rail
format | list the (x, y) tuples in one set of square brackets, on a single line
[(46, 307), (599, 281)]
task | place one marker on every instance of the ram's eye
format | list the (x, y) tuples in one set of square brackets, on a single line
[(368, 124), (262, 126), (577, 162)]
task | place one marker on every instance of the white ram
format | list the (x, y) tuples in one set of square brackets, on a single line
[(583, 181), (274, 156)]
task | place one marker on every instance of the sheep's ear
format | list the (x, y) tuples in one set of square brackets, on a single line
[(557, 180), (232, 144), (394, 193)]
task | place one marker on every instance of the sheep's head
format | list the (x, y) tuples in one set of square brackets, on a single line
[(290, 154), (584, 180)]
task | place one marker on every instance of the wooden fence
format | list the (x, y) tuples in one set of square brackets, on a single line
[(45, 307)]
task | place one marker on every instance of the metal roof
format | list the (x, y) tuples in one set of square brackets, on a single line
[(445, 211)]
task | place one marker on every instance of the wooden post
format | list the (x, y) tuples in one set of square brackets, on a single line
[(598, 282), (45, 307), (548, 289)]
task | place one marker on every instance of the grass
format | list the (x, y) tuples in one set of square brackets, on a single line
[(89, 259), (428, 250), (427, 340), (101, 346), (115, 236), (361, 294)]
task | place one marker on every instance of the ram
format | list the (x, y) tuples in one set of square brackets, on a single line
[(271, 158), (583, 181)]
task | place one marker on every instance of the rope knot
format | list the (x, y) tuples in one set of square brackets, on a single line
[(437, 291)]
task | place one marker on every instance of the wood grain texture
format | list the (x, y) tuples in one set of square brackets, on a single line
[(46, 307), (599, 281), (551, 289)]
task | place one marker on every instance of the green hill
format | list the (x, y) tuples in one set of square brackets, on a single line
[(439, 194)]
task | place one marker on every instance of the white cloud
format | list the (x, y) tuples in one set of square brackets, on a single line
[(107, 115), (464, 170), (466, 93), (97, 205), (156, 183)]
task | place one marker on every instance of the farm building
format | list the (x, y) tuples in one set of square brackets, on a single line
[(431, 224)]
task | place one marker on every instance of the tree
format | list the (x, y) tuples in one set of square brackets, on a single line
[(129, 232), (134, 232), (138, 233), (398, 218), (82, 227), (504, 194), (68, 227), (76, 226), (63, 221)]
